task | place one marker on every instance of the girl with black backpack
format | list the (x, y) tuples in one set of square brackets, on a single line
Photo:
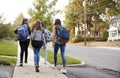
[(37, 38)]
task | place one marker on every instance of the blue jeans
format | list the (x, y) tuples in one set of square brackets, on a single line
[(36, 56), (62, 49)]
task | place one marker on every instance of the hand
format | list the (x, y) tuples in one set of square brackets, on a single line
[(44, 47)]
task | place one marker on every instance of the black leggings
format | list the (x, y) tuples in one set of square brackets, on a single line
[(24, 48)]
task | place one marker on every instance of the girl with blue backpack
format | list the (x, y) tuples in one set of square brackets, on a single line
[(23, 34), (59, 42), (47, 36)]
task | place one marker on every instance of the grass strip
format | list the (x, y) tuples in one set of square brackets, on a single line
[(69, 60), (8, 48), (9, 60)]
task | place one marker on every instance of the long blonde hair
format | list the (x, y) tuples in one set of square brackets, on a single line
[(37, 22)]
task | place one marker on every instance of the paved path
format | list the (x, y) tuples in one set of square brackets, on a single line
[(27, 71)]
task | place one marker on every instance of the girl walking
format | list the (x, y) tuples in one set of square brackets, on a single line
[(23, 43), (57, 45), (37, 42)]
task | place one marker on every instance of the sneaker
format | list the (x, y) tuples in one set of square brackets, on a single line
[(21, 64), (54, 67), (45, 63), (64, 71)]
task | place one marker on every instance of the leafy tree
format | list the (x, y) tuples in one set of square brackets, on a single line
[(6, 30), (101, 10), (107, 8), (18, 21), (43, 10), (2, 19), (73, 14)]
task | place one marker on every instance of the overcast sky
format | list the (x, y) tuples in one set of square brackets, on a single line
[(11, 8)]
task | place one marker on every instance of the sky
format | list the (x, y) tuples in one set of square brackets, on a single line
[(11, 8)]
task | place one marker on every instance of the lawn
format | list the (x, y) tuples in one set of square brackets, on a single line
[(69, 60), (8, 48)]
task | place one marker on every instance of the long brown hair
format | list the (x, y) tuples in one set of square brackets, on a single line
[(57, 22), (24, 21)]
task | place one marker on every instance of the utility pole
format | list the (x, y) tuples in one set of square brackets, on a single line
[(85, 24)]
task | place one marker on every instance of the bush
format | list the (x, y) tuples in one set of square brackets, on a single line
[(90, 39), (78, 38), (6, 31), (105, 36)]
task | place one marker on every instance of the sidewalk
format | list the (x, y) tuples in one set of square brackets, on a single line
[(27, 71), (107, 47)]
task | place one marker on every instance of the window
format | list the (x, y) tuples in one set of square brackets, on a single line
[(114, 33)]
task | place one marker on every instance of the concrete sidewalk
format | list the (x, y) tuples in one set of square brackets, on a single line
[(27, 70)]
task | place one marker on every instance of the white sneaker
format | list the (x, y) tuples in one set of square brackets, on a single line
[(54, 67), (64, 71)]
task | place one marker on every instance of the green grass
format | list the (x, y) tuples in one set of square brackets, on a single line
[(11, 60), (8, 48), (69, 60)]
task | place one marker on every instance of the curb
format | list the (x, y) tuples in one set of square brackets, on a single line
[(70, 65), (6, 63), (81, 64)]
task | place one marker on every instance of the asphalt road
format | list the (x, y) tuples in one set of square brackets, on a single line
[(96, 56), (100, 62), (6, 71)]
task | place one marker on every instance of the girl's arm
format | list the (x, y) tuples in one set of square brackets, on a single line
[(53, 35)]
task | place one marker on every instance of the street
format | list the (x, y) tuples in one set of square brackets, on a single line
[(100, 62)]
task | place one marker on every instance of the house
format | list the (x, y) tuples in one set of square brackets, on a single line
[(114, 29)]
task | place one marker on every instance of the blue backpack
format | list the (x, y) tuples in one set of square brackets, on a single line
[(22, 32), (47, 35), (63, 35)]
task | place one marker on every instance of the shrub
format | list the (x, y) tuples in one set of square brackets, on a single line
[(78, 38), (6, 31), (105, 36)]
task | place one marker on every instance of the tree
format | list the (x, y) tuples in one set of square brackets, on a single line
[(99, 9), (73, 12), (18, 21), (43, 10), (5, 29)]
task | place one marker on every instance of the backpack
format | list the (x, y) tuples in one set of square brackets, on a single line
[(38, 35), (37, 40), (63, 35), (22, 32), (47, 35)]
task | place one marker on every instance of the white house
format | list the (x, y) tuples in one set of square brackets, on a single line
[(114, 29)]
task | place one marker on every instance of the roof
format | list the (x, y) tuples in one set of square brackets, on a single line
[(113, 28), (116, 19)]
